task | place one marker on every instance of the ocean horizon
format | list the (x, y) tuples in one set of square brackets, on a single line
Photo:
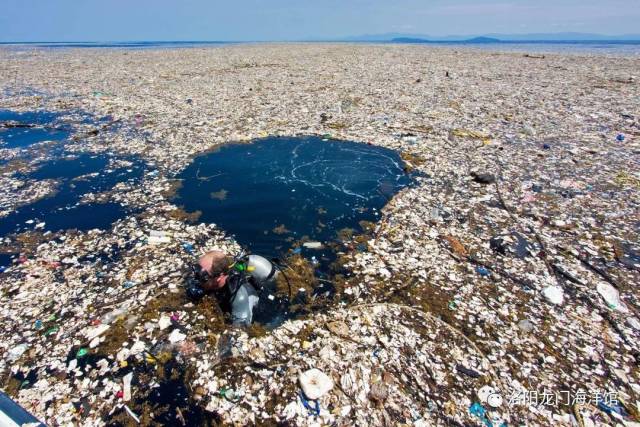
[(606, 47)]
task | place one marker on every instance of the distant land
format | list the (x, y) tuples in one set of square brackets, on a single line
[(494, 38), (473, 40)]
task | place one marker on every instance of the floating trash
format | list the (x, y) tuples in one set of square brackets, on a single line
[(575, 204), (554, 294), (482, 271)]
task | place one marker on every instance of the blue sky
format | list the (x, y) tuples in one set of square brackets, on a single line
[(120, 20)]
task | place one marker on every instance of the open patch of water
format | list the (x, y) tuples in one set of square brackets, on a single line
[(24, 129), (282, 196), (276, 193), (6, 260), (76, 176), (70, 167), (18, 130)]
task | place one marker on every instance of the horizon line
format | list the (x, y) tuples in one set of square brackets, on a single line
[(321, 40)]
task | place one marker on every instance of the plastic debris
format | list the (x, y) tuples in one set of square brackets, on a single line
[(158, 237), (16, 352), (230, 395), (164, 322), (51, 331), (312, 245), (312, 406), (315, 383), (176, 336), (525, 325), (129, 284), (482, 271), (96, 331), (132, 414), (479, 411), (554, 294), (126, 387), (611, 297), (188, 247)]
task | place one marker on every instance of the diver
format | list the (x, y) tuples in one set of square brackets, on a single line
[(236, 282)]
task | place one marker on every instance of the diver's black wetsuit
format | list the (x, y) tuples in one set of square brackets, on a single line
[(239, 296)]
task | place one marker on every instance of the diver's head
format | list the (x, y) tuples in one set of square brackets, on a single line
[(214, 269)]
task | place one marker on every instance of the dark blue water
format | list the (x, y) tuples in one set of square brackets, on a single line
[(6, 260), (64, 217), (70, 167), (43, 126), (274, 192), (75, 174), (62, 211)]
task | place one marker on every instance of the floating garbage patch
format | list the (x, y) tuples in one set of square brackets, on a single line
[(500, 289), (292, 195), (55, 186), (73, 177)]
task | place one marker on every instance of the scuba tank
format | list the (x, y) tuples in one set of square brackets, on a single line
[(258, 270), (261, 270)]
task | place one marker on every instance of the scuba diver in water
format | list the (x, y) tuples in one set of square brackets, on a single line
[(235, 281)]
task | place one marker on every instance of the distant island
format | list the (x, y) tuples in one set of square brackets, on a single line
[(472, 40), (562, 38)]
